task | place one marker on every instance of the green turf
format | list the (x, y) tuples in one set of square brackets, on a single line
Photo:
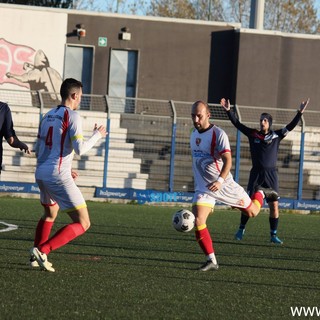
[(132, 264)]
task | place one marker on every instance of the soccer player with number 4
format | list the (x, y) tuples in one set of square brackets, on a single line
[(59, 137)]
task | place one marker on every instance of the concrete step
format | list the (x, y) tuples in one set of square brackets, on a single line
[(23, 160), (29, 165), (17, 176), (117, 150), (115, 147), (311, 165), (84, 173), (112, 160), (29, 117), (97, 181), (112, 167)]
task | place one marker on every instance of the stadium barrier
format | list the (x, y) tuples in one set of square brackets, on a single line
[(147, 149)]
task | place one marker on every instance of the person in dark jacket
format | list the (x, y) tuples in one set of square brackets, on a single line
[(7, 131), (264, 146)]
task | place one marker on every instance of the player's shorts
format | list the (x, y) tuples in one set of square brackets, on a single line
[(231, 194), (264, 178), (65, 193)]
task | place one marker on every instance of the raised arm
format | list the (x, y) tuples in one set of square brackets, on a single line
[(304, 105), (226, 105), (297, 118)]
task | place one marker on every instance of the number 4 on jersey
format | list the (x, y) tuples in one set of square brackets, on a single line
[(49, 137)]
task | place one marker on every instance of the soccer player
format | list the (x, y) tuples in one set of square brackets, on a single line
[(59, 136), (211, 164), (264, 146), (7, 131)]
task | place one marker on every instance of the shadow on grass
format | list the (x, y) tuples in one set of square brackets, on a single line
[(100, 257)]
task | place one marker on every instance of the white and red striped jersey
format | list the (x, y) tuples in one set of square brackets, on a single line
[(59, 136)]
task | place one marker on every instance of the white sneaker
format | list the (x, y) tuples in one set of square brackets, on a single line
[(209, 265), (42, 259), (34, 263)]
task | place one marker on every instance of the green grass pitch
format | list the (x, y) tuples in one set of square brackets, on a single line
[(131, 264)]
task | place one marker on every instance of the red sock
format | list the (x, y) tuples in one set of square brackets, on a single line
[(42, 232), (204, 239), (62, 237), (257, 197)]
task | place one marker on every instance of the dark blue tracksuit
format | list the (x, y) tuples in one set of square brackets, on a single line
[(264, 152), (6, 126)]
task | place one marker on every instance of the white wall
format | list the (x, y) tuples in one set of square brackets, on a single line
[(35, 29)]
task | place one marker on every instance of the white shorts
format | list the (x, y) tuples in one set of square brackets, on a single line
[(231, 194), (65, 193)]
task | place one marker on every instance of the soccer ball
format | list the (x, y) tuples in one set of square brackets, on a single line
[(183, 220)]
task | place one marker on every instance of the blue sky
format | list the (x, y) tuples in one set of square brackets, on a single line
[(102, 4), (317, 2)]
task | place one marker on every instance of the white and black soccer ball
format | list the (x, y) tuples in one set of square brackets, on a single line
[(183, 220)]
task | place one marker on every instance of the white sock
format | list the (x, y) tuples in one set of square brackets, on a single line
[(212, 257)]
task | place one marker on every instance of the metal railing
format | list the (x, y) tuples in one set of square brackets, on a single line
[(149, 141)]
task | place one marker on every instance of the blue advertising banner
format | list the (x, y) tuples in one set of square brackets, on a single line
[(311, 205), (286, 204), (153, 196), (16, 187), (143, 196), (113, 193)]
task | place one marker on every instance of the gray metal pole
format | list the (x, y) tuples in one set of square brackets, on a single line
[(257, 14)]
